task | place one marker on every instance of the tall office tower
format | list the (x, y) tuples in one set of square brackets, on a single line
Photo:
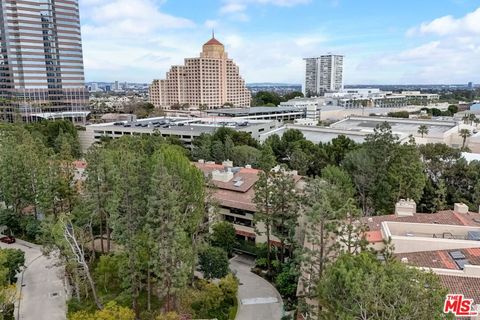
[(41, 62), (209, 81), (323, 74)]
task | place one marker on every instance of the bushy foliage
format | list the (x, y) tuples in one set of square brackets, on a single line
[(213, 263), (360, 286), (112, 311)]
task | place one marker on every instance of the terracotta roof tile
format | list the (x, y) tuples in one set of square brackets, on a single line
[(439, 258), (231, 196), (443, 217), (474, 252), (213, 42), (374, 236), (469, 287)]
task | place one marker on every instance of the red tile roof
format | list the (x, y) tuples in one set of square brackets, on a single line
[(231, 196), (374, 236), (474, 252), (213, 42), (440, 258), (245, 233), (443, 217), (469, 287)]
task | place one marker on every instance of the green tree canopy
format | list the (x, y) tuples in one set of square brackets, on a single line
[(362, 287), (213, 263), (223, 236)]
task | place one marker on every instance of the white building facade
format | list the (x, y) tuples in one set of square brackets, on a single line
[(323, 74)]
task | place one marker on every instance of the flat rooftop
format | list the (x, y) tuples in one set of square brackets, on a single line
[(254, 110), (407, 126), (321, 134), (202, 125)]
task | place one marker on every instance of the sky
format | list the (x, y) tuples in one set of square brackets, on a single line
[(384, 41)]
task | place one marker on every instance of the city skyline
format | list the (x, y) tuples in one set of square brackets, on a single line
[(383, 43)]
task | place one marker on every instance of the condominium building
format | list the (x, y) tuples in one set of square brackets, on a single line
[(207, 82), (323, 74), (234, 191), (41, 62), (446, 243)]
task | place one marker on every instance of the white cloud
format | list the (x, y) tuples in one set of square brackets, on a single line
[(232, 7), (129, 17), (450, 55), (448, 25), (211, 24), (236, 9), (136, 41), (120, 39)]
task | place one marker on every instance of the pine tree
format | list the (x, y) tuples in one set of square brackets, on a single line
[(286, 211)]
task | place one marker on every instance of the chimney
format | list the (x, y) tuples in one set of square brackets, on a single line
[(227, 163), (248, 166), (460, 208), (405, 208), (222, 176)]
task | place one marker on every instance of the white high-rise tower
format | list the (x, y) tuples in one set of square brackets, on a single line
[(323, 74)]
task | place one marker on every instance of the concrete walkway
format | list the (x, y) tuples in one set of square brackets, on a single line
[(41, 285), (257, 298)]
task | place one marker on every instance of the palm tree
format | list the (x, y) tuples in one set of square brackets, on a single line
[(464, 133), (476, 121), (472, 118), (423, 129)]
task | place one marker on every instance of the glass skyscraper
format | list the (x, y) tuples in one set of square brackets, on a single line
[(41, 62)]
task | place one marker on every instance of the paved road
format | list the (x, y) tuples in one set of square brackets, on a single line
[(258, 299), (42, 288)]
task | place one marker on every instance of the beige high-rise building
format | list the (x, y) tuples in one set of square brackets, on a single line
[(209, 81)]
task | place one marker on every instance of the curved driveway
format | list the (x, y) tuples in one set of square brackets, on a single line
[(41, 285), (257, 298)]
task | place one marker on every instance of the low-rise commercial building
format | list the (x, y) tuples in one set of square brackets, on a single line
[(317, 134), (280, 113), (439, 131), (185, 129)]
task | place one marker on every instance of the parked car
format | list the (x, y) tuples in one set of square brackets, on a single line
[(8, 239)]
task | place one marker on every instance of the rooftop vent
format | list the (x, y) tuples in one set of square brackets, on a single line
[(235, 169), (222, 176), (405, 208), (238, 183), (227, 163), (460, 208)]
